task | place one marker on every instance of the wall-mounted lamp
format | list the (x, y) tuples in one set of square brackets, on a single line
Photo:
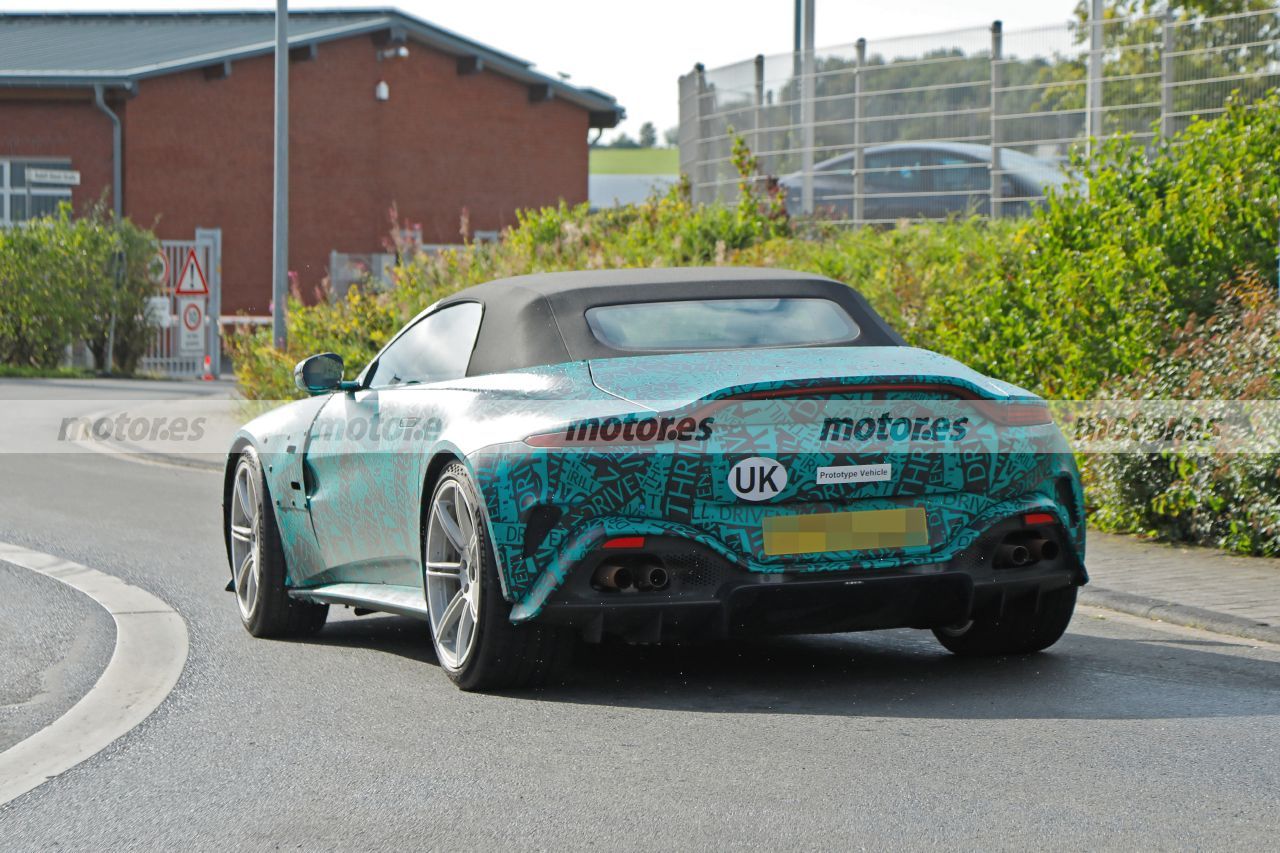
[(382, 91), (397, 52)]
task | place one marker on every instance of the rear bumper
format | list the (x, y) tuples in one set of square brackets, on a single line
[(710, 598)]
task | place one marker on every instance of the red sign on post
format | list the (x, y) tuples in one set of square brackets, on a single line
[(192, 281), (192, 316), (191, 331)]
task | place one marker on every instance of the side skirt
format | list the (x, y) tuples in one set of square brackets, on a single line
[(400, 600)]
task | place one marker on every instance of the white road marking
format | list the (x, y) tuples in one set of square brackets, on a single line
[(150, 653), (137, 457)]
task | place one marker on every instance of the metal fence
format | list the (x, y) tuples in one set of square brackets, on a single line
[(977, 120), (367, 270), (188, 335)]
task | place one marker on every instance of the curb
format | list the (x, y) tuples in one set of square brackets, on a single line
[(150, 654), (1179, 614)]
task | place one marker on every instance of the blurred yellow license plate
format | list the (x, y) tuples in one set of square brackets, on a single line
[(867, 530)]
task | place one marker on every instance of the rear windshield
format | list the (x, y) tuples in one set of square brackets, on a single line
[(713, 324), (721, 324)]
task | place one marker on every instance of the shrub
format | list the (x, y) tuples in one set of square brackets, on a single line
[(904, 272), (123, 290), (354, 327), (62, 278), (666, 230), (1089, 285), (40, 309), (1230, 500)]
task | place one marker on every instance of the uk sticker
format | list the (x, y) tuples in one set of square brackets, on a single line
[(758, 478), (880, 473)]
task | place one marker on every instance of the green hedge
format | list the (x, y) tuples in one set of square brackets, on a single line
[(1231, 500), (1089, 288), (62, 278)]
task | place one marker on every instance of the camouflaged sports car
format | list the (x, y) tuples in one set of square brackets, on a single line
[(655, 455)]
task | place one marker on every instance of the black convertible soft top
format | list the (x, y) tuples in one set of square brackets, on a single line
[(532, 320)]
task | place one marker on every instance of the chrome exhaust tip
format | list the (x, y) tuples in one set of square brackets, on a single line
[(615, 577), (1043, 549), (658, 578), (1012, 555)]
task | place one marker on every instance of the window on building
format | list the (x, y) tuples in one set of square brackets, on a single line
[(23, 196)]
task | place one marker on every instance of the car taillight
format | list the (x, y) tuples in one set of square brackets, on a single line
[(623, 542), (1021, 412), (547, 439)]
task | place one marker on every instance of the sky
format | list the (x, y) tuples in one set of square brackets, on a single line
[(636, 49)]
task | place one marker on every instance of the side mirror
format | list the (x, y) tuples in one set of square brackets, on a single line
[(319, 374)]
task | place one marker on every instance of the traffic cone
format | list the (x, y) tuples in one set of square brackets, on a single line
[(208, 369)]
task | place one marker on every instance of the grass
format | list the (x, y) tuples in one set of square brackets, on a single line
[(13, 371), (635, 161)]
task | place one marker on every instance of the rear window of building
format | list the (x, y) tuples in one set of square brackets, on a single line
[(719, 324)]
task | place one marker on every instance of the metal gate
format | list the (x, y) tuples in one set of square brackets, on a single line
[(188, 273)]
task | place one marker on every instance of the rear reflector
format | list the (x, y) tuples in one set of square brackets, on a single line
[(1024, 413), (625, 542), (1039, 518)]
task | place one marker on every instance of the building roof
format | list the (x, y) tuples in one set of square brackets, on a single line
[(119, 49)]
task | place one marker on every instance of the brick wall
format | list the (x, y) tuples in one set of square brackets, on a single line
[(198, 152), (59, 125)]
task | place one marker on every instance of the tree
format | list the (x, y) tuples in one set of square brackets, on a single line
[(1182, 9), (648, 135), (1217, 51), (623, 141), (671, 136)]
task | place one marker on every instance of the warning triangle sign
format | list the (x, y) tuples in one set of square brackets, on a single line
[(192, 281)]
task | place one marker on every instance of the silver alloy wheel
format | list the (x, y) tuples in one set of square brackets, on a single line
[(244, 532), (453, 573)]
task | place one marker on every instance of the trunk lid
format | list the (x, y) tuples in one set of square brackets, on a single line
[(664, 382), (784, 433)]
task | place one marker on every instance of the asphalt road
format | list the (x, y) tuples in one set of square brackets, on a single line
[(1127, 734), (55, 644)]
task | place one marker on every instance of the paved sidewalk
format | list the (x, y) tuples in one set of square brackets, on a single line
[(1201, 587)]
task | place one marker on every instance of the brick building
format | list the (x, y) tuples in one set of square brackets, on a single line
[(384, 108)]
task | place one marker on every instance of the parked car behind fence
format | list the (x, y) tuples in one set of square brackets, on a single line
[(924, 180)]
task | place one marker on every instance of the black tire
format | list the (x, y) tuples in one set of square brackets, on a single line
[(503, 655), (1025, 627), (272, 612)]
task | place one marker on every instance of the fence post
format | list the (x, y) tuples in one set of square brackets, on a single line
[(756, 143), (1093, 87), (1166, 77), (794, 112), (213, 237), (687, 142), (997, 173), (699, 176), (859, 138), (807, 108)]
